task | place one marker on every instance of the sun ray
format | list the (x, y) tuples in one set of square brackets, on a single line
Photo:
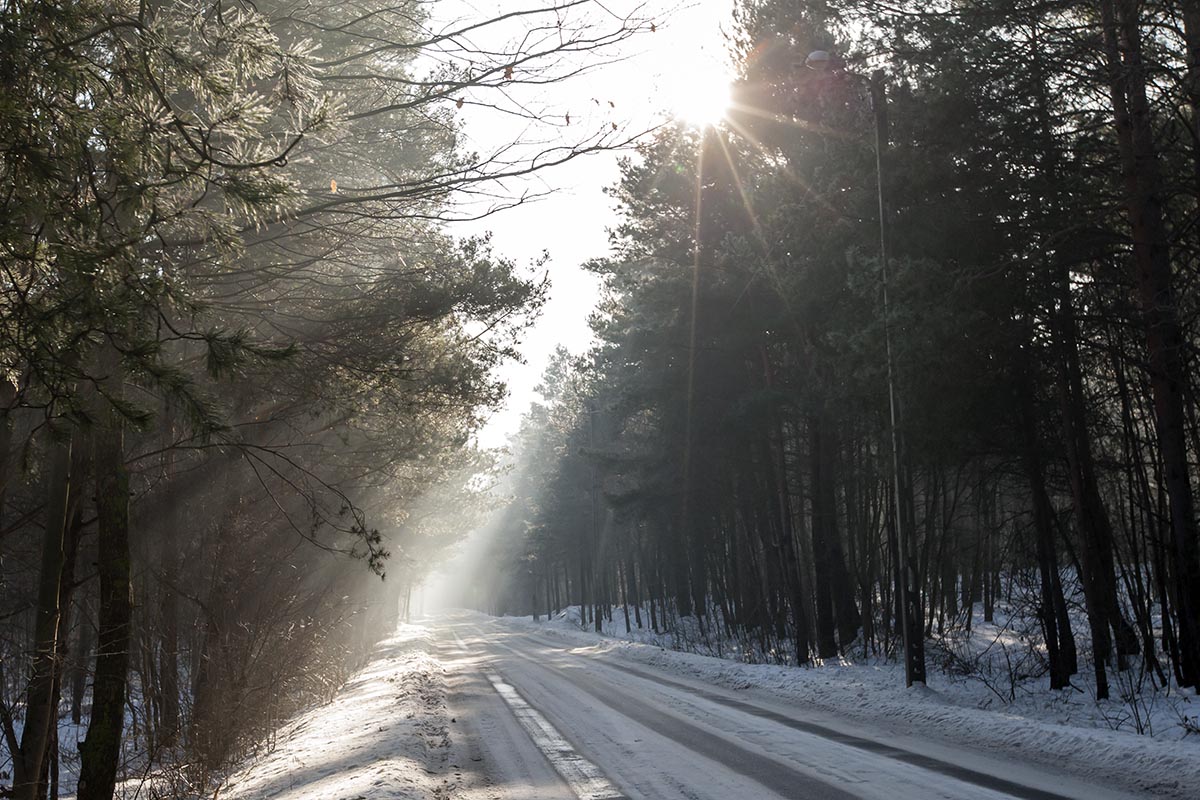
[(790, 173), (793, 122), (747, 203)]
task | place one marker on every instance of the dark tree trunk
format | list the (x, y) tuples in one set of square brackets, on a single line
[(845, 609), (1160, 315), (168, 669), (48, 786), (100, 753), (823, 527), (7, 396), (788, 544), (40, 705), (79, 671), (168, 544), (1060, 641), (1099, 568), (1191, 35), (1051, 588)]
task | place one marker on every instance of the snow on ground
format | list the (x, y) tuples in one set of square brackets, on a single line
[(1066, 730), (386, 735)]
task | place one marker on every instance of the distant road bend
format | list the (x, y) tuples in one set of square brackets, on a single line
[(542, 721)]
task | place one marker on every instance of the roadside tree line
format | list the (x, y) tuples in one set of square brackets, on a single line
[(241, 358), (725, 453)]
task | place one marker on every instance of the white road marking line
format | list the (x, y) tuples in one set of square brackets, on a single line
[(585, 778)]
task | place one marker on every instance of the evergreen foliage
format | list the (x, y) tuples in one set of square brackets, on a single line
[(240, 352), (1040, 188)]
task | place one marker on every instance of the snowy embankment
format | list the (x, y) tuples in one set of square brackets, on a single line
[(386, 735), (1055, 729)]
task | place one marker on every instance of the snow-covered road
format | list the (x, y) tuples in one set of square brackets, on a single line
[(658, 735), (467, 707)]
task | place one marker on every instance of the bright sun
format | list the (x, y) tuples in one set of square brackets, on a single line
[(692, 67), (702, 99)]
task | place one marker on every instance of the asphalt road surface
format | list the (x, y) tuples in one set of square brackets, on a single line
[(535, 719)]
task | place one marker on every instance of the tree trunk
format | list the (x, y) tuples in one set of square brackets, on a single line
[(821, 532), (788, 542), (100, 753), (168, 548), (911, 576), (1099, 579), (48, 786), (79, 671), (40, 707), (1191, 36), (1047, 558), (169, 668), (7, 396), (1160, 314)]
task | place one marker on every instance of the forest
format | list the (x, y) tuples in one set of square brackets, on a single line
[(913, 331), (242, 354), (905, 343)]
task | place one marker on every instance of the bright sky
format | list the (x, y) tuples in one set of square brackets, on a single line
[(680, 67)]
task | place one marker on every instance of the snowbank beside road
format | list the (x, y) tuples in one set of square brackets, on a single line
[(874, 696), (386, 735)]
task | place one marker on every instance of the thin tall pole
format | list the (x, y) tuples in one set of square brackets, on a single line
[(593, 547), (914, 651)]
